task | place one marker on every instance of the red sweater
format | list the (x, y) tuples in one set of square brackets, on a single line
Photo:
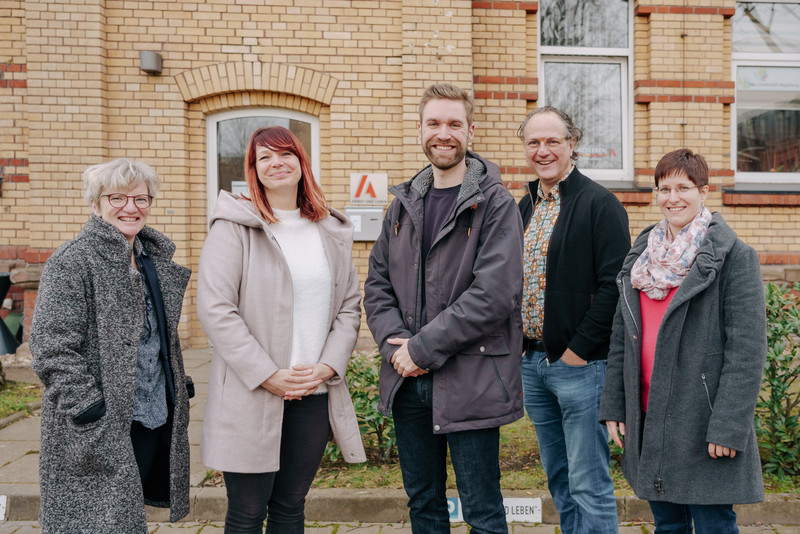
[(652, 314)]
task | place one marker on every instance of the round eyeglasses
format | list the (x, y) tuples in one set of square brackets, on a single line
[(118, 200)]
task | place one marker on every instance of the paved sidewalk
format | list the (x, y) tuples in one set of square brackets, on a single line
[(28, 527), (328, 511)]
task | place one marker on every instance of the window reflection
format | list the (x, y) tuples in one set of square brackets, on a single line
[(766, 27), (768, 119), (590, 93), (232, 138), (587, 23)]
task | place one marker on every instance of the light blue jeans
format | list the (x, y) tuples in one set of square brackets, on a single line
[(563, 401)]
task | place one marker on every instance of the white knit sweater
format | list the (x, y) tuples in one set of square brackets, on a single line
[(311, 285)]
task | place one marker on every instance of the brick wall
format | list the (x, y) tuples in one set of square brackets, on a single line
[(72, 94)]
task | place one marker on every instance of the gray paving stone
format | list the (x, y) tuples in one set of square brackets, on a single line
[(523, 528), (28, 429), (13, 450), (20, 527), (195, 431), (23, 470)]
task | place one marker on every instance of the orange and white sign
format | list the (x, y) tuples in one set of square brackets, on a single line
[(369, 189)]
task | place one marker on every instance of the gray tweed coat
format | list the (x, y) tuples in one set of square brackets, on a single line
[(85, 335), (710, 354)]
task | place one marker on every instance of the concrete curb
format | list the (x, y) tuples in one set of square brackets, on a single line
[(14, 417), (389, 506)]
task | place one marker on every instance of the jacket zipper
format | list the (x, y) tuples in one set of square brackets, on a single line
[(499, 378), (705, 386), (630, 311)]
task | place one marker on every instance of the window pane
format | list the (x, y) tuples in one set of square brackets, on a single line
[(768, 119), (766, 27), (589, 23), (232, 138), (590, 93)]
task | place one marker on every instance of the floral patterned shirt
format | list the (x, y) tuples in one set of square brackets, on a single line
[(537, 241)]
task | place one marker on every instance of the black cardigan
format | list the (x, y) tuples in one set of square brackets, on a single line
[(588, 244)]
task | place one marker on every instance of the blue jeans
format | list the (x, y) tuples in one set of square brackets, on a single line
[(674, 518), (563, 401), (423, 462)]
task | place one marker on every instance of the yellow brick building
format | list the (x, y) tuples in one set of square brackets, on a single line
[(641, 78)]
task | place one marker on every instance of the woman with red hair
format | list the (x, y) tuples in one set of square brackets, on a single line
[(278, 297)]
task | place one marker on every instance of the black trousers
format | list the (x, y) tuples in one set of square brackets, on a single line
[(151, 449), (282, 493)]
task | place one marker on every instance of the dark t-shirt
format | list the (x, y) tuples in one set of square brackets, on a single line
[(439, 206)]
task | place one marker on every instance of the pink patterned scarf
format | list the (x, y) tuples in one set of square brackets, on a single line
[(666, 261)]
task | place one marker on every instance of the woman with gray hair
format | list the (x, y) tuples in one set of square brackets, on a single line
[(104, 339)]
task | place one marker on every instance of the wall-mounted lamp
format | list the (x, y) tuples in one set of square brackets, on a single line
[(150, 62)]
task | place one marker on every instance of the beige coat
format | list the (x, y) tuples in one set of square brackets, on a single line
[(244, 302)]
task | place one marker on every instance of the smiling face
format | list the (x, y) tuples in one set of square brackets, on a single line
[(680, 208), (278, 171), (128, 219), (549, 163), (444, 132)]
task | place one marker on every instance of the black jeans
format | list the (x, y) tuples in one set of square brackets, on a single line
[(282, 493), (151, 449)]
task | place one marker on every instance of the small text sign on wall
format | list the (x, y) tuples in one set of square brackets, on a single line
[(520, 510), (369, 189)]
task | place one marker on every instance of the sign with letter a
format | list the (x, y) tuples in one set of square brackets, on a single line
[(369, 189)]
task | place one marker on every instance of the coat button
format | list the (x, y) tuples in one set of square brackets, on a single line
[(483, 349), (436, 428), (619, 281), (634, 337)]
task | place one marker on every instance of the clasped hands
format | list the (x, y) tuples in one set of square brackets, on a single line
[(401, 359), (298, 381), (617, 431)]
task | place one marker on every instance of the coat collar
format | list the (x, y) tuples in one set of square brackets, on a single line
[(112, 245), (707, 265), (481, 174), (337, 225), (565, 186)]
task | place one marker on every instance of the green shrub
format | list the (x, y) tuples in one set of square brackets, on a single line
[(777, 426), (377, 430)]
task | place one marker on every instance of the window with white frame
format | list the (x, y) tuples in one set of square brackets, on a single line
[(766, 70), (585, 56), (227, 137)]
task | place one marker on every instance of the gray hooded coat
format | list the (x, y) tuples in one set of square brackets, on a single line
[(89, 316), (709, 358)]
